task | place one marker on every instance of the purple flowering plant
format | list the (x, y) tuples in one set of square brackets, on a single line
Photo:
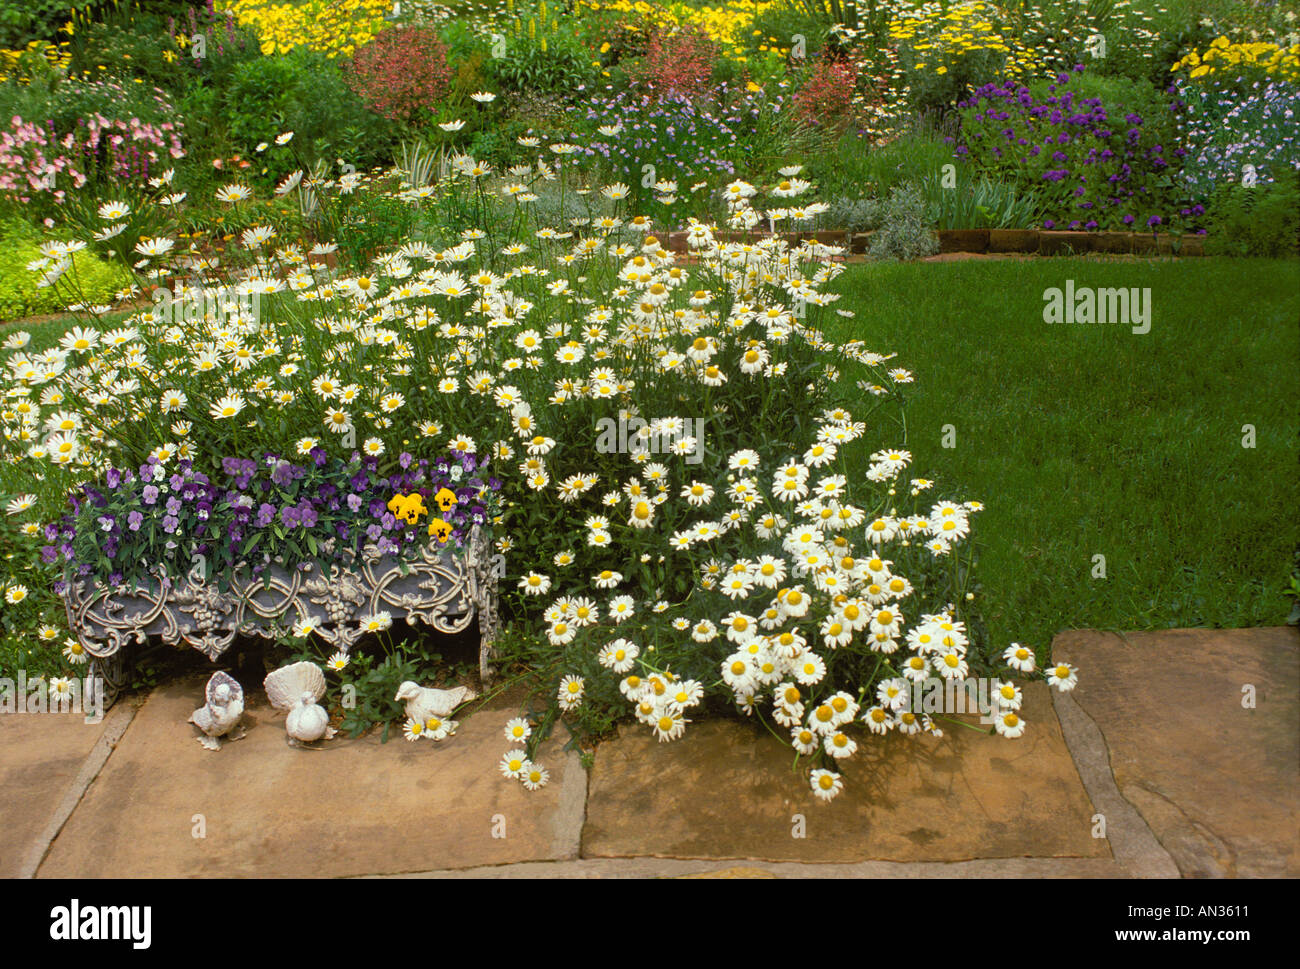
[(1094, 166), (138, 523)]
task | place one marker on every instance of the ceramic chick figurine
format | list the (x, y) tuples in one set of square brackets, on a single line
[(222, 710)]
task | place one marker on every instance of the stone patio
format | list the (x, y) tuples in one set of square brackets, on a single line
[(1217, 782), (1154, 743)]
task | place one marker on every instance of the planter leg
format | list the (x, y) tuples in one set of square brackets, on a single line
[(485, 653), (485, 605), (112, 670), (487, 632)]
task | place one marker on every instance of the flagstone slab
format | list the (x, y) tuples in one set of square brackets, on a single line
[(40, 758), (1217, 782), (726, 790), (352, 807)]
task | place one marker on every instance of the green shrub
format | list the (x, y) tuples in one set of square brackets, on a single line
[(852, 214), (497, 143), (141, 40), (126, 46), (1263, 220), (26, 20), (1122, 95), (205, 130), (558, 62), (304, 92), (932, 92), (1141, 40), (69, 101), (19, 294), (370, 221), (904, 232)]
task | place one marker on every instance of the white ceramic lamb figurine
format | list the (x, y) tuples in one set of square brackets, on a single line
[(297, 689), (424, 702), (221, 713)]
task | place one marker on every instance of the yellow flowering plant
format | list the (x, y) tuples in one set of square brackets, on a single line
[(39, 60), (332, 27), (728, 24), (1224, 57)]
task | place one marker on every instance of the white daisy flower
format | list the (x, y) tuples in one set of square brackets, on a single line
[(825, 784)]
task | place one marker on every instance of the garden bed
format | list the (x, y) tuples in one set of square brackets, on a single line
[(408, 239)]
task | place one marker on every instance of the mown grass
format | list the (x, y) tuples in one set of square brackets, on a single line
[(1091, 440)]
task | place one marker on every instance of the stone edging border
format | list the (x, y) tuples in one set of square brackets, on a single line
[(1041, 242)]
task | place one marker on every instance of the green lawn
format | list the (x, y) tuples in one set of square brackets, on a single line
[(1087, 440)]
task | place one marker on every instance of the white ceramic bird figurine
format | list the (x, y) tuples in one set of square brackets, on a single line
[(221, 712), (297, 689), (423, 702)]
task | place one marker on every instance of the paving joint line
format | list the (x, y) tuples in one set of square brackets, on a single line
[(1132, 842), (571, 812), (119, 718)]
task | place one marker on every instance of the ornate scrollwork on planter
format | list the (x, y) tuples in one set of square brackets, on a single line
[(445, 588)]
